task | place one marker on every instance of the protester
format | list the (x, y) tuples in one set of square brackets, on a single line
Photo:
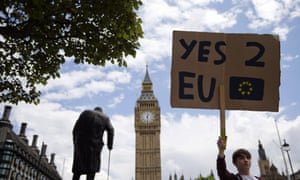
[(241, 159)]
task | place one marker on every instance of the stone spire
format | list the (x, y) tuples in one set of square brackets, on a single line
[(147, 83), (147, 79), (261, 151), (147, 89)]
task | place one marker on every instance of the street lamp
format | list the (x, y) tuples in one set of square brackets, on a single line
[(281, 149), (286, 147)]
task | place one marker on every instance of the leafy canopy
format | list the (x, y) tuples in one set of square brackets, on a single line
[(35, 37)]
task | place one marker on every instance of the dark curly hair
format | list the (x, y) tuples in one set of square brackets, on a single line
[(240, 153)]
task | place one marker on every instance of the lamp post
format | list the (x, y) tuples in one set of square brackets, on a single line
[(281, 149), (286, 147)]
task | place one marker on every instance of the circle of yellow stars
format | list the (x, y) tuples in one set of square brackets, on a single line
[(245, 88)]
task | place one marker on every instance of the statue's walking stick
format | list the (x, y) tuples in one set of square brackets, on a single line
[(108, 165)]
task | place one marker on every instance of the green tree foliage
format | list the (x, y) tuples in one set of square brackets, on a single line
[(36, 35), (205, 178), (209, 177)]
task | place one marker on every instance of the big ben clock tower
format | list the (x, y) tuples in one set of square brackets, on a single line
[(147, 134)]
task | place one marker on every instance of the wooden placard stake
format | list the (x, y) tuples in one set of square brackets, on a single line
[(222, 113)]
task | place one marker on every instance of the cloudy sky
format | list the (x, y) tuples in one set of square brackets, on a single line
[(188, 136)]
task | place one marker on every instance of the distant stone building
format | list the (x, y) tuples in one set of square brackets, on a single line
[(296, 175), (18, 159), (267, 171)]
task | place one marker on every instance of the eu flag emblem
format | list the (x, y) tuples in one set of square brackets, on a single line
[(246, 88)]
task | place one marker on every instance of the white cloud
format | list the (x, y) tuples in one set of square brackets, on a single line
[(87, 89), (116, 100), (73, 78), (296, 12), (156, 12), (282, 32), (189, 4), (122, 77), (271, 12), (156, 48), (85, 82), (290, 58)]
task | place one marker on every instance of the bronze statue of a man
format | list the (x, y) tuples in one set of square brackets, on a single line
[(88, 142)]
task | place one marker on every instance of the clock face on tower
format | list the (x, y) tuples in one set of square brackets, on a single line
[(147, 116)]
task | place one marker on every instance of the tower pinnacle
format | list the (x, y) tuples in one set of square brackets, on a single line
[(261, 151), (147, 79)]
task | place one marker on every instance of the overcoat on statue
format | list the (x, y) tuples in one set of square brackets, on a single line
[(87, 139)]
